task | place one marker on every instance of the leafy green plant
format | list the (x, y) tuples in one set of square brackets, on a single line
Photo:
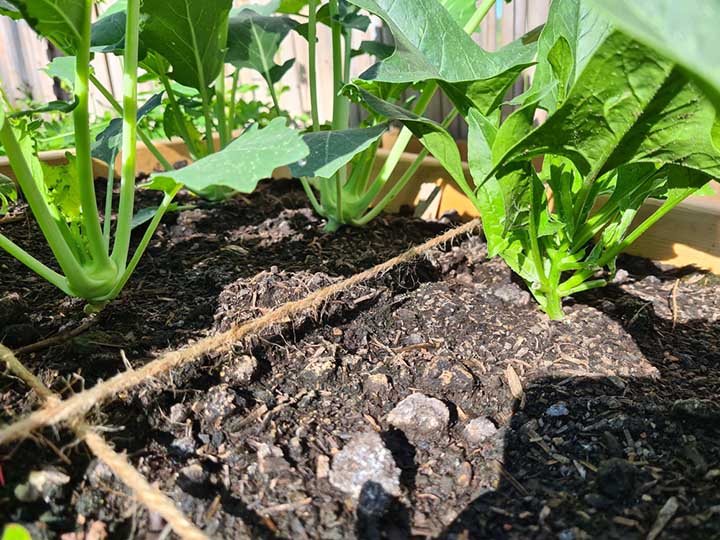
[(624, 124), (443, 55), (63, 199)]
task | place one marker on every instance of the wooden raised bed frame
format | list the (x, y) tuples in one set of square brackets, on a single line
[(688, 235)]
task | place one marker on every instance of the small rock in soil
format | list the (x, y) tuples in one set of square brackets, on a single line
[(478, 430), (420, 415), (696, 409), (178, 413), (616, 478), (558, 409), (217, 404), (512, 294), (377, 383), (465, 474), (322, 466), (318, 369), (271, 459), (449, 374), (13, 310), (41, 485), (183, 447), (365, 458), (239, 369), (193, 473)]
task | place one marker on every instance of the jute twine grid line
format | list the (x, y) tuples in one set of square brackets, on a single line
[(73, 409), (150, 496)]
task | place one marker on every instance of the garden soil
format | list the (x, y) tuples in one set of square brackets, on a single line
[(603, 425)]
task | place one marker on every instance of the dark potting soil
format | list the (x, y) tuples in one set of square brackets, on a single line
[(603, 425)]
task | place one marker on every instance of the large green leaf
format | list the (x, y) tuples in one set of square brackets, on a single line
[(254, 40), (244, 162), (613, 91), (190, 35), (572, 33), (7, 9), (61, 21), (331, 150), (461, 10), (685, 32), (108, 142), (430, 44)]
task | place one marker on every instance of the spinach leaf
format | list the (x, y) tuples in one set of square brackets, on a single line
[(189, 34)]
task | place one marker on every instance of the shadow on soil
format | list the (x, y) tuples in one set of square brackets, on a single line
[(600, 457)]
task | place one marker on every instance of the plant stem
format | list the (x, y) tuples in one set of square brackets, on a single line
[(340, 103), (33, 264), (180, 118), (581, 276), (144, 242), (233, 102), (108, 204), (129, 136), (311, 195), (144, 137), (50, 229), (81, 119), (220, 109), (312, 64), (427, 93), (273, 94)]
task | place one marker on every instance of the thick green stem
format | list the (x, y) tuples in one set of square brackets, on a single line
[(233, 100), (144, 137), (144, 242), (394, 191), (223, 129), (579, 277), (312, 64), (340, 102), (33, 264), (311, 195), (179, 116), (49, 227), (107, 222), (129, 136), (427, 93), (81, 118)]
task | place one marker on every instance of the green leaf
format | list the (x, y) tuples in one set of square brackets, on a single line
[(431, 134), (60, 21), (261, 9), (108, 142), (62, 189), (7, 9), (146, 214), (599, 111), (684, 32), (331, 150), (62, 67), (580, 31), (107, 34), (177, 124), (377, 49), (254, 40), (460, 10), (291, 7), (245, 161), (52, 107), (8, 193), (13, 531), (189, 34), (430, 44)]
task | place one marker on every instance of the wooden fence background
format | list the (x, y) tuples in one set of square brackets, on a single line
[(23, 56)]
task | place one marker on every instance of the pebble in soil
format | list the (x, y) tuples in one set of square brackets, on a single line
[(616, 417)]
